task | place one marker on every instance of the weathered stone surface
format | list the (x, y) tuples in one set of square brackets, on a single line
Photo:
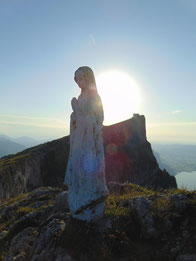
[(21, 245), (85, 172), (61, 203), (186, 257), (141, 207), (57, 254), (16, 179), (3, 234), (167, 225), (116, 187), (133, 228), (47, 236), (179, 201)]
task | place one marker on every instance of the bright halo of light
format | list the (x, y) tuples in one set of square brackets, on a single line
[(120, 96)]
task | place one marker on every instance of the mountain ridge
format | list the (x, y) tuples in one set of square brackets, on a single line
[(8, 144), (128, 157)]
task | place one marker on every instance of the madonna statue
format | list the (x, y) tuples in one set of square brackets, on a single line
[(85, 173)]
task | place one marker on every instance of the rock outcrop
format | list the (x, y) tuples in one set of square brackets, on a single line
[(128, 156), (138, 224), (42, 165)]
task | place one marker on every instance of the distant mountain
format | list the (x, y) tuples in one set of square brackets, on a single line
[(5, 136), (9, 147), (24, 140), (163, 164), (27, 141), (175, 158)]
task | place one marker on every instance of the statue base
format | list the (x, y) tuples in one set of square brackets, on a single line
[(91, 214)]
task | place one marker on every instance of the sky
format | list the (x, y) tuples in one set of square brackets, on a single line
[(153, 42)]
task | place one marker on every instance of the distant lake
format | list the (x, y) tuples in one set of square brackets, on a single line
[(186, 180)]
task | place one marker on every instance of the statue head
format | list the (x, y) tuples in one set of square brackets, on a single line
[(85, 78)]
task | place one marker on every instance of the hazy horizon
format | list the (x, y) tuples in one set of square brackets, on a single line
[(151, 140)]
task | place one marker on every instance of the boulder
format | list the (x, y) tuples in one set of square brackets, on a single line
[(140, 206), (61, 203)]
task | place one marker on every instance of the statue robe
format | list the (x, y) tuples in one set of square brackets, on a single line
[(85, 173)]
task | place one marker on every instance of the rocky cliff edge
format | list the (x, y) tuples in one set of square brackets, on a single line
[(128, 156)]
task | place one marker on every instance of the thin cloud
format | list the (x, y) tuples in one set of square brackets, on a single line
[(160, 124), (33, 124), (42, 122), (176, 111), (28, 118), (92, 40)]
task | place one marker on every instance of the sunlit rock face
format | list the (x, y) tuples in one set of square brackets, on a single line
[(128, 157)]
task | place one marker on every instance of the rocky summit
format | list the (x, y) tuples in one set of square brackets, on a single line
[(138, 224), (128, 158)]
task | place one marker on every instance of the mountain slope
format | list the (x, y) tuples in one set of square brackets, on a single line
[(128, 158)]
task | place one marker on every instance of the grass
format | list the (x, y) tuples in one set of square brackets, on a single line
[(16, 158), (117, 204), (4, 225), (82, 239), (12, 161), (15, 215), (24, 204), (19, 198), (85, 240), (16, 208)]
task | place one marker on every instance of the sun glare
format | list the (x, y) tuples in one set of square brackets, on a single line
[(120, 96)]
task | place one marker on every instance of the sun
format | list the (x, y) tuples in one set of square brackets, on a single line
[(120, 95)]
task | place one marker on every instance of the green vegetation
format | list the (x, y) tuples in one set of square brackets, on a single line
[(115, 202), (24, 204), (21, 197), (48, 158), (15, 159), (98, 241), (123, 238)]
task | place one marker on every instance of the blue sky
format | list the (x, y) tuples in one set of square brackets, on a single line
[(43, 42)]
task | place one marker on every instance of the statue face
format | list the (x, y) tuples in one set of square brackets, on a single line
[(80, 80)]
